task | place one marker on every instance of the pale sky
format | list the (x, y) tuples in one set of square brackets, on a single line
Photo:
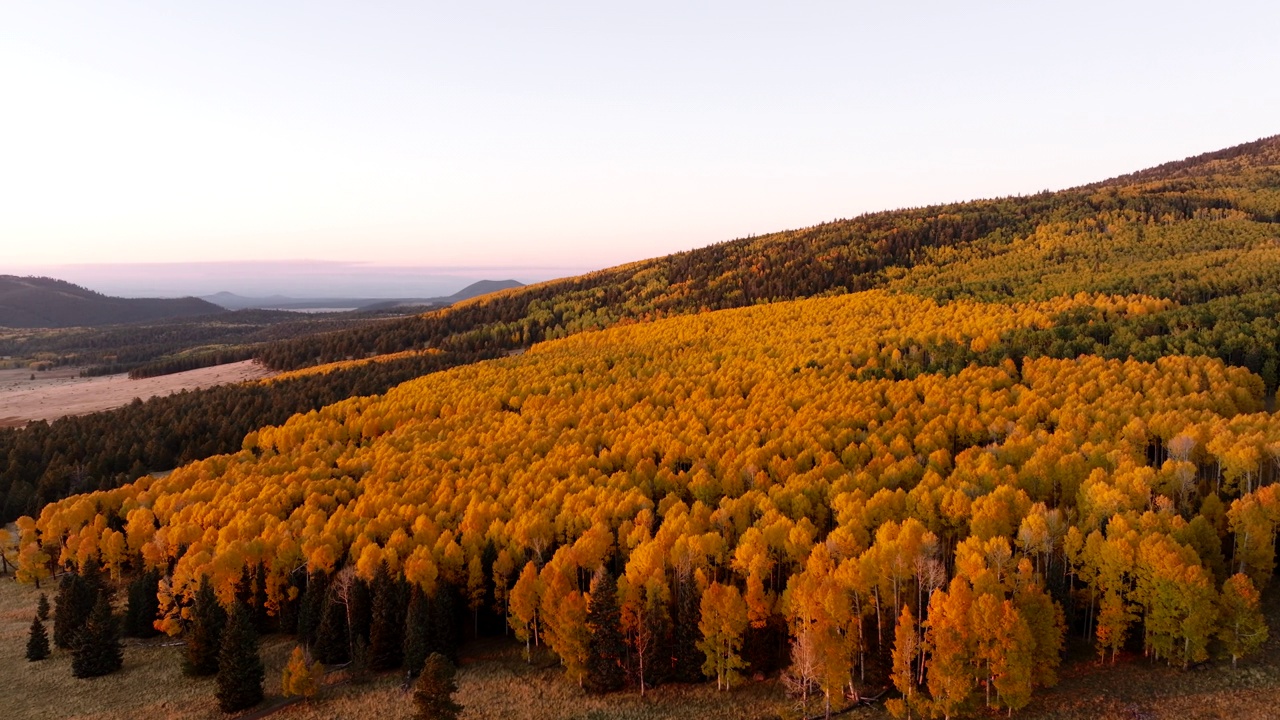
[(581, 134)]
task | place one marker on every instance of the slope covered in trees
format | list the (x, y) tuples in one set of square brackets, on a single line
[(32, 302), (1194, 230), (862, 489), (1200, 231), (42, 462)]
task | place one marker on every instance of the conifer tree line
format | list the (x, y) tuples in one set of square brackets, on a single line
[(765, 490)]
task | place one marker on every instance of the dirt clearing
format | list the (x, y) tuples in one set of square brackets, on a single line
[(62, 392)]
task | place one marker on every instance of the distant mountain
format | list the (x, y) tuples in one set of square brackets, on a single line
[(483, 287), (231, 301), (33, 302)]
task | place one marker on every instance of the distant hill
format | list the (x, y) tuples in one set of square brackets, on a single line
[(483, 287), (231, 301), (32, 302)]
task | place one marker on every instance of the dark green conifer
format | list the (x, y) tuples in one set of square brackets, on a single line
[(144, 605), (360, 614), (98, 650), (72, 606), (417, 630), (37, 641), (311, 607), (443, 637), (386, 631), (606, 646), (204, 636), (240, 672), (687, 660), (433, 693), (262, 620), (333, 639), (42, 608)]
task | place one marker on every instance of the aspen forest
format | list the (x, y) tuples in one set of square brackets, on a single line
[(900, 461)]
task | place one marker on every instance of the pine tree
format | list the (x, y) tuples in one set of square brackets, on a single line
[(72, 606), (97, 649), (444, 624), (204, 636), (605, 647), (311, 607), (417, 629), (433, 693), (144, 605), (240, 672), (386, 643), (687, 658), (333, 638), (38, 642), (42, 608), (262, 619)]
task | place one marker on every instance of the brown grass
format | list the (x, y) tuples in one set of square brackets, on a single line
[(495, 682), (62, 391)]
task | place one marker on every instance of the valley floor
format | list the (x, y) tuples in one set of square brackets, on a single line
[(60, 392), (495, 682)]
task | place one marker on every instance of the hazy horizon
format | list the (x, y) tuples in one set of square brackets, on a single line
[(302, 279)]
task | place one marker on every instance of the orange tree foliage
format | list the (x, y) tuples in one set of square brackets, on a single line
[(787, 457)]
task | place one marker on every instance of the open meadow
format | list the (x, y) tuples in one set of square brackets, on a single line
[(61, 392)]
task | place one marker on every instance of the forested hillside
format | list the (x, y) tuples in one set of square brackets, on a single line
[(1194, 231), (781, 487), (33, 302)]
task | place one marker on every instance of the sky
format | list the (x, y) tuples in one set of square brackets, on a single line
[(549, 138)]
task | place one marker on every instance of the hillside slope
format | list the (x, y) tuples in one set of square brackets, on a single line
[(1205, 240), (1194, 231), (39, 302), (799, 468)]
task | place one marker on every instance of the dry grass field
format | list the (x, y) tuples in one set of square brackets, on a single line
[(62, 391), (495, 682)]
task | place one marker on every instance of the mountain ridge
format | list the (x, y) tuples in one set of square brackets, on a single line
[(34, 302), (232, 301)]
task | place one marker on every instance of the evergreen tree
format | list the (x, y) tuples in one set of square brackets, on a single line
[(444, 624), (288, 611), (311, 607), (38, 642), (360, 613), (386, 643), (417, 631), (262, 620), (42, 608), (240, 672), (605, 646), (687, 659), (98, 650), (144, 605), (433, 693), (333, 639), (72, 606), (204, 637)]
